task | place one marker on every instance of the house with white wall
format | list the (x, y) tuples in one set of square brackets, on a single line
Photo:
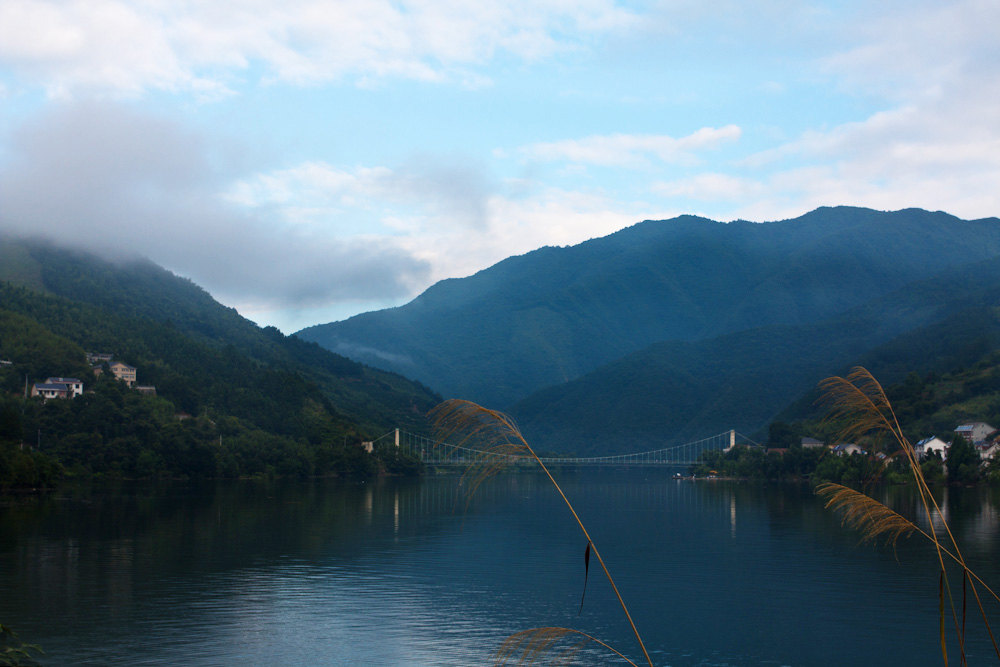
[(74, 385), (931, 444), (975, 432), (50, 390)]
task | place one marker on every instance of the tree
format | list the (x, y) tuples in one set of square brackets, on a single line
[(10, 422), (962, 462), (782, 435)]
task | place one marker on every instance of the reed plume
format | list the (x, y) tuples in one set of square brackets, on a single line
[(860, 403), (499, 442), (529, 646), (15, 652)]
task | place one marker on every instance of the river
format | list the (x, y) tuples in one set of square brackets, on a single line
[(411, 572)]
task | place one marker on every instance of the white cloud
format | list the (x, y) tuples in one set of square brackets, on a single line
[(934, 143), (710, 186), (115, 181), (631, 150), (451, 217), (519, 223), (943, 154), (425, 193), (909, 51), (126, 47)]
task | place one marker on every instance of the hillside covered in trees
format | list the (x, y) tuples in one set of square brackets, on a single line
[(231, 399)]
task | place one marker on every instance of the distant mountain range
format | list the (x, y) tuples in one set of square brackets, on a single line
[(676, 329)]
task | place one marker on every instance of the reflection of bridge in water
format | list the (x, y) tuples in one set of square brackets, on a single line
[(437, 453)]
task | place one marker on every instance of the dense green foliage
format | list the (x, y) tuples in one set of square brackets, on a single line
[(757, 463), (554, 314), (231, 398)]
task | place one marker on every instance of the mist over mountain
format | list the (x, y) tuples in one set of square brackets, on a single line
[(700, 292)]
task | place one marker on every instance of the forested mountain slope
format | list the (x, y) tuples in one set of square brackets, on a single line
[(140, 291), (672, 392), (231, 398), (554, 314)]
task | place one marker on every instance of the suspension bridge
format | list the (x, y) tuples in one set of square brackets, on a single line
[(437, 453)]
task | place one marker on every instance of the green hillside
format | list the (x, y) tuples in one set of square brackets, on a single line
[(676, 392), (258, 401), (555, 314)]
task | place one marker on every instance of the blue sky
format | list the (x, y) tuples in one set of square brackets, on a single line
[(307, 160)]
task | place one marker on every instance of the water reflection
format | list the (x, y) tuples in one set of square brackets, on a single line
[(410, 572)]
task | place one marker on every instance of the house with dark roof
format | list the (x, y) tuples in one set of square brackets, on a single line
[(74, 385), (975, 432), (49, 390)]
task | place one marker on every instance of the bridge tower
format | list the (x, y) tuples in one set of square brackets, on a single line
[(732, 440)]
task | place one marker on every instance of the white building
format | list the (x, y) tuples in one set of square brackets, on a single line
[(75, 386), (931, 444), (989, 450), (975, 432)]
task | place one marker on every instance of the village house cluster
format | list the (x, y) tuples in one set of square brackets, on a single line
[(981, 435), (63, 387)]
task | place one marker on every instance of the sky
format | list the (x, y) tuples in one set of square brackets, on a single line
[(307, 160)]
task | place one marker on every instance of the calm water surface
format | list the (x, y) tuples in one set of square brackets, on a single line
[(402, 572)]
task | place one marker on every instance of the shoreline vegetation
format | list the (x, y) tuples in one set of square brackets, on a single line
[(815, 467)]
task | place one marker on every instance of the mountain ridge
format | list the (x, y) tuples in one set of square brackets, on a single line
[(554, 314)]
